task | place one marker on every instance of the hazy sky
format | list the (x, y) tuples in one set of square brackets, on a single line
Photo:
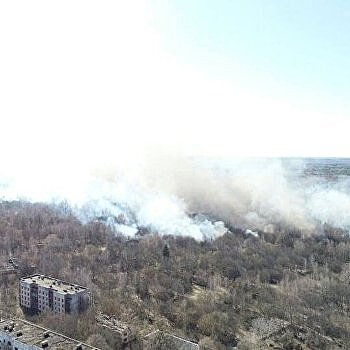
[(91, 81)]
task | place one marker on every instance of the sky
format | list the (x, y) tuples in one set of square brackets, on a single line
[(94, 82)]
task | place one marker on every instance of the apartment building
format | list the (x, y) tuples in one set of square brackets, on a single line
[(39, 293), (17, 334)]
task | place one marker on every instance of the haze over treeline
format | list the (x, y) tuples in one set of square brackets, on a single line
[(197, 196)]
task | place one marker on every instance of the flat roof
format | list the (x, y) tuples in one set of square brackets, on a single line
[(111, 322), (31, 334), (54, 283)]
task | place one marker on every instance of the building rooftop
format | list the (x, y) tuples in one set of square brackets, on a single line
[(111, 322), (54, 283), (34, 335)]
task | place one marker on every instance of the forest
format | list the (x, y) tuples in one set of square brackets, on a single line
[(281, 290)]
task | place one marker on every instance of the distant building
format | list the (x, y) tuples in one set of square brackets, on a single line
[(7, 270), (39, 293), (10, 267)]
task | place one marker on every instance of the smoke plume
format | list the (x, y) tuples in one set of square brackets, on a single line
[(197, 197)]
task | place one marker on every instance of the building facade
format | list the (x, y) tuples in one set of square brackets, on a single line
[(17, 334), (40, 293), (117, 334)]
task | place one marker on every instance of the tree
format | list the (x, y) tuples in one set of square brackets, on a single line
[(160, 341), (166, 252)]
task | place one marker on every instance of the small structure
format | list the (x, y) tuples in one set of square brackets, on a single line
[(38, 293), (10, 267), (18, 334), (118, 333), (7, 269)]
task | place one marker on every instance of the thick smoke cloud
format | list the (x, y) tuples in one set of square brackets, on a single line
[(258, 194), (194, 196)]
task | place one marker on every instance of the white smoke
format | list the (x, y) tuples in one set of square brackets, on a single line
[(193, 196), (331, 206), (124, 205)]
